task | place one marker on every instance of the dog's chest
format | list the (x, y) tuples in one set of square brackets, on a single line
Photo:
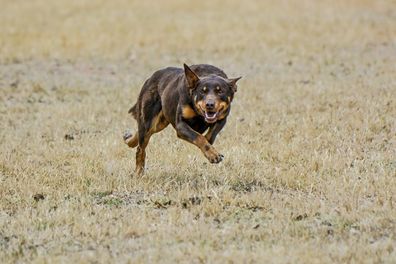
[(198, 124)]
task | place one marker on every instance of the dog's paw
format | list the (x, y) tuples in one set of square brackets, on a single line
[(130, 139), (127, 134), (213, 156)]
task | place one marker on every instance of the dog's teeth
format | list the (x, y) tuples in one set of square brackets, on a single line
[(210, 115)]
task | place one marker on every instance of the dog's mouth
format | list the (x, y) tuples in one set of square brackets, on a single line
[(211, 116)]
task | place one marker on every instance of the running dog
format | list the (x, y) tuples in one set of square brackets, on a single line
[(193, 100)]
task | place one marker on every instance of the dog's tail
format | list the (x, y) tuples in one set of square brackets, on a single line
[(134, 111)]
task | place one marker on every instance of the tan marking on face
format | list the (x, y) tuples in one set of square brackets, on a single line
[(200, 105), (222, 116), (223, 106), (188, 112)]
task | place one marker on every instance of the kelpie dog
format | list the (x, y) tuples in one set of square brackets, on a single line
[(193, 101)]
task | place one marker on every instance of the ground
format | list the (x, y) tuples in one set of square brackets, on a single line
[(309, 174)]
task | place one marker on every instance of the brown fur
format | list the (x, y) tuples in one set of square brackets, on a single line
[(193, 101)]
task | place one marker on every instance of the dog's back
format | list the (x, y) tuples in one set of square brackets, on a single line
[(155, 85)]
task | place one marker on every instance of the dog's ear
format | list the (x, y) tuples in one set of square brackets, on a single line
[(191, 77), (232, 82)]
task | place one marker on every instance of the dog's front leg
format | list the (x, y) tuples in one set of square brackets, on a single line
[(214, 130), (184, 131)]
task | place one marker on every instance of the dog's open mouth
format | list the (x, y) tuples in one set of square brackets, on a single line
[(211, 117)]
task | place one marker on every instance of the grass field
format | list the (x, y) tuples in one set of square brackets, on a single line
[(309, 174)]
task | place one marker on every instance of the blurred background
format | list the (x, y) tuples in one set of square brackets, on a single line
[(309, 173), (168, 32)]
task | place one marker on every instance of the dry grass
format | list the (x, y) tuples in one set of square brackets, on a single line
[(310, 168)]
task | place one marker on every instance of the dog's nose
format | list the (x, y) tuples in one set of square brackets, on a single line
[(210, 105)]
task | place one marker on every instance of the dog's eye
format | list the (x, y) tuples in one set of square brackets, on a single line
[(204, 89), (218, 89)]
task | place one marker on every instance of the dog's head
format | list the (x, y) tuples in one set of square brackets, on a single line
[(211, 95)]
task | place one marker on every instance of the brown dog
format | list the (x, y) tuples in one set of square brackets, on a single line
[(193, 101)]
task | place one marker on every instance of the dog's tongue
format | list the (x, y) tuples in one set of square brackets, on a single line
[(210, 116)]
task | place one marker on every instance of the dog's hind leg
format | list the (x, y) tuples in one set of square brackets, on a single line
[(141, 153), (146, 130), (130, 139)]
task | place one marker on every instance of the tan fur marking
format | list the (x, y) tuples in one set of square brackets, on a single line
[(208, 134), (158, 123), (223, 106), (201, 105), (201, 142), (188, 112), (140, 161), (132, 141), (208, 150), (222, 116)]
